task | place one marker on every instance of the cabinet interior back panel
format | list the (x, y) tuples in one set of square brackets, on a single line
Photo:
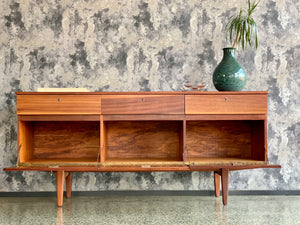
[(218, 139), (146, 139), (75, 139)]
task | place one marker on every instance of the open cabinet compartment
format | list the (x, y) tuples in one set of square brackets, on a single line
[(144, 142), (236, 142), (58, 142)]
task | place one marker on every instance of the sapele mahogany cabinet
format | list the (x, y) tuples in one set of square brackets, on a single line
[(141, 131)]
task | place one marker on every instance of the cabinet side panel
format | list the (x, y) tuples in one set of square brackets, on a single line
[(25, 141), (259, 139)]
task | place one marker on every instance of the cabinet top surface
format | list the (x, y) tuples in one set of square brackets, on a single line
[(149, 93)]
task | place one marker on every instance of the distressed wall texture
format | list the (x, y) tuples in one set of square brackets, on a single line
[(150, 45)]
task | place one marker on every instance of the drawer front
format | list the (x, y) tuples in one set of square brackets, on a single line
[(226, 104), (142, 104), (58, 104)]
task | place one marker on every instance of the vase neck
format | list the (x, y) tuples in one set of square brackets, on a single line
[(228, 52)]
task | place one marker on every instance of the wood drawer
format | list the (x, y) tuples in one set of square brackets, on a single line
[(142, 104), (226, 104), (58, 104)]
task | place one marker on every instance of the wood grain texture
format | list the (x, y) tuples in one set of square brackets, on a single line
[(66, 140), (59, 118), (58, 162), (226, 104), (196, 117), (58, 104), (143, 140), (218, 139), (143, 163), (142, 117), (223, 161), (102, 168), (142, 104)]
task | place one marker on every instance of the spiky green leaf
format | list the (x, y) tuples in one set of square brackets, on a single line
[(243, 28)]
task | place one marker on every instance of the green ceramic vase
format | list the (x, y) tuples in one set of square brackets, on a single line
[(229, 74)]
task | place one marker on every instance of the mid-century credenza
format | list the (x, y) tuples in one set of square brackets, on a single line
[(67, 132)]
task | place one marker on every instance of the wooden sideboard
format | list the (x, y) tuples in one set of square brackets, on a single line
[(66, 132)]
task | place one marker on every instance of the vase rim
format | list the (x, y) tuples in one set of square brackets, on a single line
[(229, 48)]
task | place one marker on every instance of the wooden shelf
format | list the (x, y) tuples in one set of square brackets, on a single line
[(143, 162), (60, 162), (224, 161)]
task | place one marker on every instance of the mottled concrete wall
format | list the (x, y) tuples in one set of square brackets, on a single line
[(148, 45)]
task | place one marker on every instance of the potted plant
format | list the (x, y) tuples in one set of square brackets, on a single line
[(229, 75)]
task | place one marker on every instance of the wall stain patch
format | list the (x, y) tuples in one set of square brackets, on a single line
[(79, 58), (144, 17), (54, 20), (208, 55), (15, 17), (182, 22)]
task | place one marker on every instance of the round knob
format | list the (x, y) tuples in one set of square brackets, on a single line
[(226, 99), (143, 99), (58, 99)]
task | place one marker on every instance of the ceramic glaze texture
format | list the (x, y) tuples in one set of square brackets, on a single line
[(150, 45), (229, 75)]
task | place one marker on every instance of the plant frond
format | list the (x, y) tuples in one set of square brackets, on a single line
[(256, 37), (243, 38), (243, 27)]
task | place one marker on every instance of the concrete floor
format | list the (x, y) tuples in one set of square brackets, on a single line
[(151, 210)]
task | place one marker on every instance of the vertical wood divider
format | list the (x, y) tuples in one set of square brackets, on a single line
[(102, 140), (266, 138), (183, 137)]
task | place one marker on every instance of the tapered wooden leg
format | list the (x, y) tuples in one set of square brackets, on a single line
[(225, 182), (60, 181), (69, 184), (217, 179)]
